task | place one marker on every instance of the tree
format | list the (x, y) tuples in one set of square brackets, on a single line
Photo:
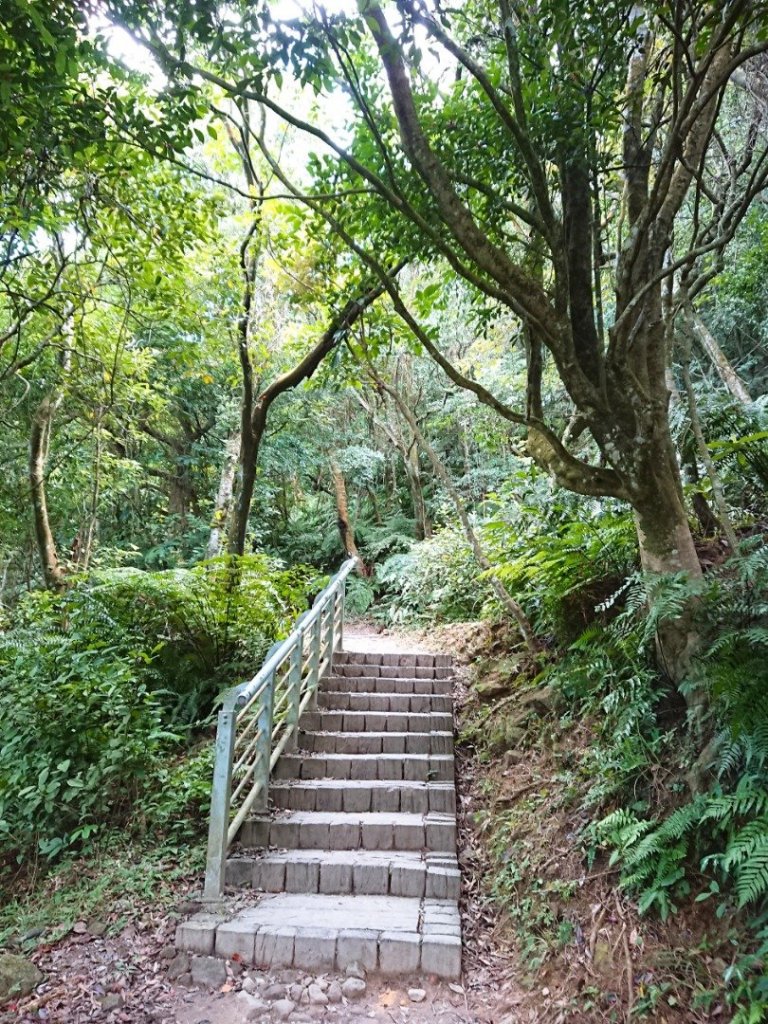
[(566, 129)]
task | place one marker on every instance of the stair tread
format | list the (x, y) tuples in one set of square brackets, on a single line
[(366, 817), (338, 856), (341, 912), (408, 784), (377, 732), (315, 755)]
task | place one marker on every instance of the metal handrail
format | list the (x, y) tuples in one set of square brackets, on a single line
[(265, 712)]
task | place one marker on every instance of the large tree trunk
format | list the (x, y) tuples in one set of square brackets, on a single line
[(666, 546)]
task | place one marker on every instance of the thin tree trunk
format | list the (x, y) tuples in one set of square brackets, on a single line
[(90, 531), (255, 410), (708, 521), (505, 598), (720, 361), (413, 472), (346, 532), (39, 444), (222, 509), (706, 458)]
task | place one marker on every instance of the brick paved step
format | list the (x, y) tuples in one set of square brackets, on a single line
[(376, 742), (385, 684), (391, 672), (340, 700), (333, 720), (392, 660), (324, 830), (368, 796), (410, 767), (387, 934), (369, 872)]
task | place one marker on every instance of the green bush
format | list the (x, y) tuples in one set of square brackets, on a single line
[(436, 579), (80, 738), (104, 684), (566, 564)]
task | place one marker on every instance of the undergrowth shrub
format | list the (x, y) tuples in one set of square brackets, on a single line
[(565, 559), (437, 579), (105, 686)]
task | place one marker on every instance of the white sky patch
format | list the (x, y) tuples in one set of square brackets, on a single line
[(124, 48)]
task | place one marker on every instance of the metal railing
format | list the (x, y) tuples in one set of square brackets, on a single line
[(259, 720)]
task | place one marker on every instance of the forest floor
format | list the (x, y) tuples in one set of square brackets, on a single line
[(115, 966)]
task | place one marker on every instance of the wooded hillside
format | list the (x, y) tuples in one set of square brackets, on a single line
[(477, 294)]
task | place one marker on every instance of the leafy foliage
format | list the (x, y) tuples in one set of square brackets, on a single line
[(437, 578), (101, 686)]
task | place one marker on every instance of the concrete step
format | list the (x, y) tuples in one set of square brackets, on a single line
[(333, 720), (361, 795), (340, 700), (410, 767), (387, 934), (345, 872), (391, 672), (376, 742), (327, 830), (385, 684), (392, 660)]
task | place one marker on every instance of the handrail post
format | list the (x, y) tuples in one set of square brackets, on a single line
[(220, 795), (264, 745), (314, 664), (342, 596), (294, 689), (330, 632)]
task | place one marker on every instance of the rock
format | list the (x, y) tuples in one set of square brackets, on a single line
[(316, 996), (18, 976), (208, 971), (283, 1008), (249, 986), (273, 992), (353, 988), (97, 928), (541, 699), (111, 1001), (188, 907), (322, 983), (178, 966), (355, 970), (251, 1007), (495, 677), (296, 991), (334, 992), (168, 953), (186, 980), (417, 995), (491, 689)]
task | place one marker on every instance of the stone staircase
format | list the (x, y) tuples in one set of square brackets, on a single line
[(358, 860)]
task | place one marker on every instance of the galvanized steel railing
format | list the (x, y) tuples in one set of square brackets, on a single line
[(259, 720)]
